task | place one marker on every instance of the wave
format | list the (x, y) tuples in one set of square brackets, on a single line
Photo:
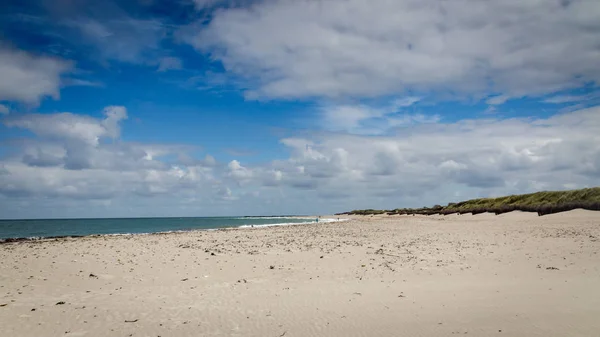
[(43, 238), (274, 217), (293, 223)]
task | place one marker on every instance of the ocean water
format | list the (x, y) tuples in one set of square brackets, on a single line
[(82, 227)]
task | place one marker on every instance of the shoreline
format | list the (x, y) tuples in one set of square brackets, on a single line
[(59, 237)]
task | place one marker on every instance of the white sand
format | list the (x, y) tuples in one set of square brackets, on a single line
[(480, 275)]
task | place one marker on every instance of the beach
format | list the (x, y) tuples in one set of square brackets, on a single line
[(515, 274)]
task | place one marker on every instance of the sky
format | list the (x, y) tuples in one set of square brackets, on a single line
[(144, 108)]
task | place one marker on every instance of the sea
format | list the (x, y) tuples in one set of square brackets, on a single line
[(48, 228)]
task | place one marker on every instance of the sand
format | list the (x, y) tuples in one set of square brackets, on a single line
[(516, 274)]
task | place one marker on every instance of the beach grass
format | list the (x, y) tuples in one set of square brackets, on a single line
[(545, 202)]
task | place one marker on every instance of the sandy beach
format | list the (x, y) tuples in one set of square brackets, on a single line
[(515, 274)]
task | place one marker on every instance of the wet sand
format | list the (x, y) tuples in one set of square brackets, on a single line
[(516, 274)]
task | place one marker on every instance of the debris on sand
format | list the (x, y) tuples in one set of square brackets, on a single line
[(60, 303), (133, 321)]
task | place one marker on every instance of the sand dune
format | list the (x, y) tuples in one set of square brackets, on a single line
[(516, 274)]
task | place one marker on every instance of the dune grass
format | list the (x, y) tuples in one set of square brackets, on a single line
[(546, 202)]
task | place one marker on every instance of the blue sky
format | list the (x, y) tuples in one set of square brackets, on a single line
[(216, 107)]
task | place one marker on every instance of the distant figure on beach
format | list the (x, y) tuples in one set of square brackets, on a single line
[(317, 219)]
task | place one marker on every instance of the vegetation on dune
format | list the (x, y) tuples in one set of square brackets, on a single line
[(543, 203)]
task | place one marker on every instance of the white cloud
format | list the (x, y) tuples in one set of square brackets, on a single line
[(365, 119), (84, 129), (349, 117), (63, 125), (4, 110), (340, 48), (70, 159), (238, 172), (77, 171), (404, 102), (431, 163), (226, 194), (114, 115), (28, 78), (497, 100)]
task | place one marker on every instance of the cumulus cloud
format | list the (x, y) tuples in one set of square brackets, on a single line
[(339, 48), (77, 142), (85, 129), (71, 158), (426, 164), (434, 161), (28, 78), (238, 172)]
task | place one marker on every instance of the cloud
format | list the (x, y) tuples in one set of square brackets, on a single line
[(349, 117), (82, 83), (83, 129), (497, 100), (404, 102), (208, 160), (123, 38), (238, 172), (226, 194), (78, 142), (341, 48), (366, 119), (169, 63), (435, 161), (560, 99), (4, 110), (82, 162), (71, 157), (28, 78), (114, 115)]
